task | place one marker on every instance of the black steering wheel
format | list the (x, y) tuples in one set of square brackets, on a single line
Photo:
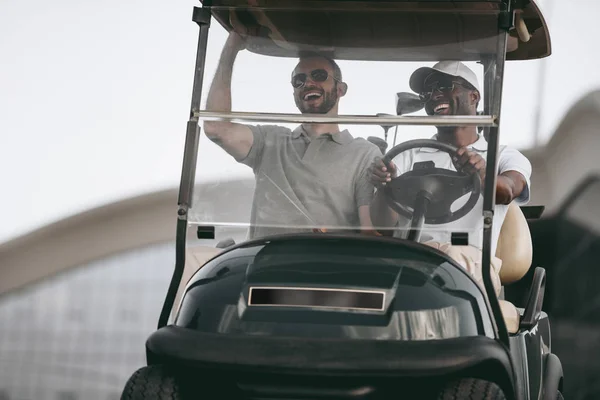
[(428, 189)]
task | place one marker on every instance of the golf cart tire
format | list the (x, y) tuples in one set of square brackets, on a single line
[(153, 382), (472, 389)]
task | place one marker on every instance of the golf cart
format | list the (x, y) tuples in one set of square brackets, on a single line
[(318, 309)]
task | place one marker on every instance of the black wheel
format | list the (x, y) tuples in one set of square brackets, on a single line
[(471, 389), (153, 382)]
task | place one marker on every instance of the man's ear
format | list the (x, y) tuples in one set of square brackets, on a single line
[(342, 88), (475, 96)]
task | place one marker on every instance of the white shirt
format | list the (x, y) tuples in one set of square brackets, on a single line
[(509, 159)]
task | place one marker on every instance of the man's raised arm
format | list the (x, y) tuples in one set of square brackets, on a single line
[(236, 139)]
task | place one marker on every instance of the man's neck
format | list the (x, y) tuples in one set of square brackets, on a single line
[(459, 137), (314, 130)]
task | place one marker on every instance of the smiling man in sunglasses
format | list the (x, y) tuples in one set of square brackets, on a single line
[(313, 176), (451, 88)]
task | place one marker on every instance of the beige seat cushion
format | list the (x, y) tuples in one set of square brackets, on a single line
[(514, 246), (511, 315)]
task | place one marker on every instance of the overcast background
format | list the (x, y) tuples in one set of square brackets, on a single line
[(94, 97)]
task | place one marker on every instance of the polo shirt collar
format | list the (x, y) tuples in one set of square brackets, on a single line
[(343, 137)]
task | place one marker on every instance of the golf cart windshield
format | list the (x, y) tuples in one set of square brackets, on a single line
[(279, 185)]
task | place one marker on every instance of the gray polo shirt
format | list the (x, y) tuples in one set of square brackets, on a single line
[(303, 183)]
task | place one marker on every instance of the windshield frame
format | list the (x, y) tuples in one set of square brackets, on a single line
[(491, 93)]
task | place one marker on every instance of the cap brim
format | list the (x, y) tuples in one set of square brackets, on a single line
[(418, 78)]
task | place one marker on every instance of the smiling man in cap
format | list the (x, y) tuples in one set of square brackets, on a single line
[(451, 88)]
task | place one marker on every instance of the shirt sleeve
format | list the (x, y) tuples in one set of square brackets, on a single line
[(254, 157), (364, 189), (513, 160)]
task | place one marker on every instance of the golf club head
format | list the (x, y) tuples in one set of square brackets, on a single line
[(379, 142), (407, 103), (385, 127)]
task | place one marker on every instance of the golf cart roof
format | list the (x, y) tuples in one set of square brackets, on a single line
[(376, 30)]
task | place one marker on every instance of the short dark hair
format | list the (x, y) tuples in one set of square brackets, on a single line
[(337, 72)]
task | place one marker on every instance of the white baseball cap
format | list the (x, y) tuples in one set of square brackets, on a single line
[(452, 68)]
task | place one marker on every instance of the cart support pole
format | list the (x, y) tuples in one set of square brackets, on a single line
[(494, 73), (188, 175)]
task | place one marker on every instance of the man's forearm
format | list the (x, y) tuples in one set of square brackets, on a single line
[(236, 139), (381, 213), (219, 95), (509, 185)]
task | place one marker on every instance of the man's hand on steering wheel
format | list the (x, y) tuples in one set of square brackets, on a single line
[(380, 174), (430, 190), (467, 161)]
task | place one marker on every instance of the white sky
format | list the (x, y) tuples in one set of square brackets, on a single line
[(94, 98)]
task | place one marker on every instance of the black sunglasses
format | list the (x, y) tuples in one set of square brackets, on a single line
[(317, 75), (444, 85)]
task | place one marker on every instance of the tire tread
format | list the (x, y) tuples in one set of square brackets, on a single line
[(471, 389), (153, 382)]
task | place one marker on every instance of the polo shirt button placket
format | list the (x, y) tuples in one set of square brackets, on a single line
[(314, 147)]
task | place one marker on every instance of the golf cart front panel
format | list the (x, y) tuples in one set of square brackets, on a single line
[(255, 367), (288, 315), (334, 286)]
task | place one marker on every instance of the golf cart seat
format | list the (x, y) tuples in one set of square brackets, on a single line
[(516, 252)]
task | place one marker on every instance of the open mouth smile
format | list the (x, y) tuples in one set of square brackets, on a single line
[(441, 108), (312, 95)]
